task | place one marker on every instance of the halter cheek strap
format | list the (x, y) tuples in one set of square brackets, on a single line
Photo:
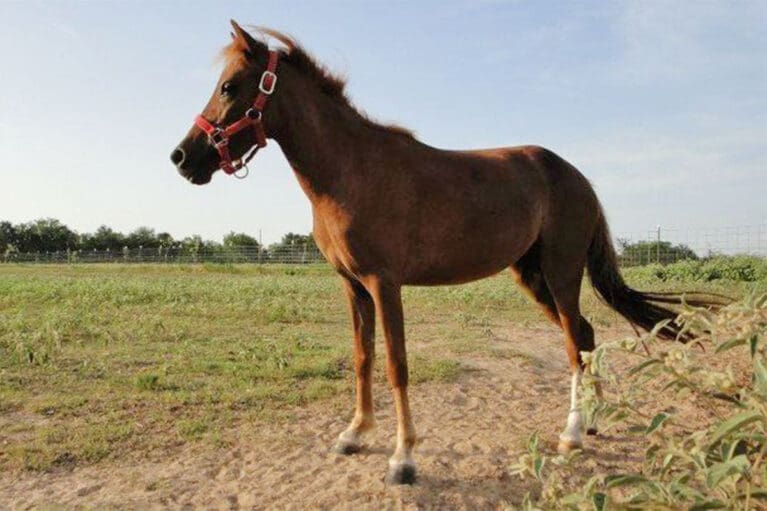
[(219, 137)]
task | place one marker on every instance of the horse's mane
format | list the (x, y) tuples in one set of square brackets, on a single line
[(329, 83)]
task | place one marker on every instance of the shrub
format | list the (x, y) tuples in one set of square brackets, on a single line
[(734, 268), (715, 465)]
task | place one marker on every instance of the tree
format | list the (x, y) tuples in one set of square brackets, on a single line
[(46, 235), (103, 239), (646, 252), (142, 237), (192, 244), (240, 239), (295, 248), (196, 245), (298, 240), (165, 240), (8, 236), (240, 248)]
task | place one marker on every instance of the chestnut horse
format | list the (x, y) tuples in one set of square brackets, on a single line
[(390, 211)]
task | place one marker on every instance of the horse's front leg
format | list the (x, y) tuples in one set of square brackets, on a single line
[(388, 302), (363, 320)]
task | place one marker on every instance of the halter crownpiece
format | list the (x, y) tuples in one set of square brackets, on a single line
[(219, 137)]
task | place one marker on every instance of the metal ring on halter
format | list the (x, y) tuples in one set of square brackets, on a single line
[(218, 137), (242, 176)]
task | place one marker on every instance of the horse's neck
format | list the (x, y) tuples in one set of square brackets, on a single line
[(322, 139)]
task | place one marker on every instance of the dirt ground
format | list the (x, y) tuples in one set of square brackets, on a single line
[(471, 432)]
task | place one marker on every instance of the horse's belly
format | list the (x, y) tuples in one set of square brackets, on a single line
[(436, 276), (477, 243), (468, 260)]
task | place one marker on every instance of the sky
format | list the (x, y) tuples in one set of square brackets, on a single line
[(662, 105)]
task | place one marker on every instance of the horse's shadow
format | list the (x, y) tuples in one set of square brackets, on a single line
[(430, 491)]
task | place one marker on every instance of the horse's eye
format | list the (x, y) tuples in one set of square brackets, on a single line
[(227, 89)]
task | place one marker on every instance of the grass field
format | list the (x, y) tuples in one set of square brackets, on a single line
[(110, 361)]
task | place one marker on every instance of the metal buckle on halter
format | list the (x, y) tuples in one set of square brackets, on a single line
[(218, 137), (261, 84), (242, 166), (253, 114)]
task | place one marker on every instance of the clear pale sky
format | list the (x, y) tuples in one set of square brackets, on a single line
[(662, 105)]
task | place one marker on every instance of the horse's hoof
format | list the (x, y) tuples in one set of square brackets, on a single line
[(591, 431), (401, 473), (566, 446), (346, 448)]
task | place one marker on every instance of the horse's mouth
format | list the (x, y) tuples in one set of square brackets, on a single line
[(196, 178)]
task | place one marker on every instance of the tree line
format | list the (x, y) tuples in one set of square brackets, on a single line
[(47, 235)]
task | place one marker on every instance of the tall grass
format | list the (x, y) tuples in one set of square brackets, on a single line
[(714, 461)]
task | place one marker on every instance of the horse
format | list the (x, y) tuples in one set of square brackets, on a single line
[(391, 211)]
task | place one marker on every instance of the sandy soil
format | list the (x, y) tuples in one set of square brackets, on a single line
[(470, 431)]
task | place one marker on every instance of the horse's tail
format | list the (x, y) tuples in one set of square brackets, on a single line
[(641, 308)]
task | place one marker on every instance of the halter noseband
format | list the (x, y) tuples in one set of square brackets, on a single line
[(219, 137)]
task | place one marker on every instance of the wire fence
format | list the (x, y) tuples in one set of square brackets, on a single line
[(668, 245), (287, 254), (660, 245)]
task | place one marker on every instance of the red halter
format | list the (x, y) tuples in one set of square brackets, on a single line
[(219, 137)]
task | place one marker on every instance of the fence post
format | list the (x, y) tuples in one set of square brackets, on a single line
[(657, 247)]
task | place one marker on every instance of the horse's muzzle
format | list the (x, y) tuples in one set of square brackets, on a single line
[(179, 158)]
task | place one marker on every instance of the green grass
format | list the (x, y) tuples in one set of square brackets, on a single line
[(101, 361)]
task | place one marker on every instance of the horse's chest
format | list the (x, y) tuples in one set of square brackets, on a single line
[(330, 227)]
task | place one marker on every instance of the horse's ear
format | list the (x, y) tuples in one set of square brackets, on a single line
[(244, 40)]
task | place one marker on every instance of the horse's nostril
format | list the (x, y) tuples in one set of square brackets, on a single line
[(177, 157)]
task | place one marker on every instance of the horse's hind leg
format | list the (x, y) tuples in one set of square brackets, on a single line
[(362, 311), (528, 274), (563, 276)]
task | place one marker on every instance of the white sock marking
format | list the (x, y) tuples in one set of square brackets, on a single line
[(572, 432)]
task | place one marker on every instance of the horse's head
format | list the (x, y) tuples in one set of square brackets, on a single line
[(229, 125)]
